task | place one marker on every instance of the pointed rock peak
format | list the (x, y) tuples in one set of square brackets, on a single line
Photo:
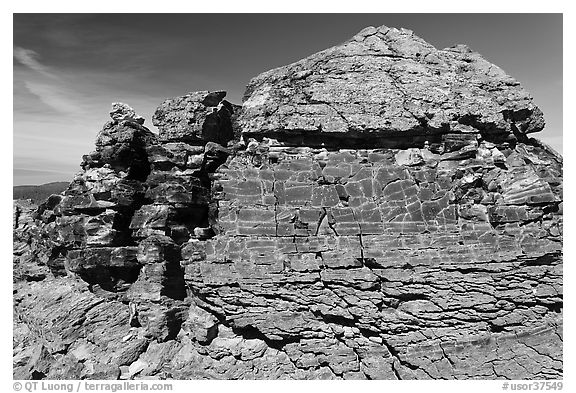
[(387, 84), (400, 42), (121, 144), (123, 112)]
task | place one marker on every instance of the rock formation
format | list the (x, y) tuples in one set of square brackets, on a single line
[(374, 211)]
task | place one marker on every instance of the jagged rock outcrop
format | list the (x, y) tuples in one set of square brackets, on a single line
[(383, 215), (196, 117)]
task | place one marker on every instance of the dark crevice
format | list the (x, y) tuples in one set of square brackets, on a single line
[(396, 374), (322, 217), (173, 284), (247, 331), (37, 375), (335, 319), (544, 260), (371, 263), (467, 270), (139, 165), (555, 307), (407, 297), (111, 278), (395, 354), (174, 320), (250, 332), (56, 261), (496, 328), (446, 355)]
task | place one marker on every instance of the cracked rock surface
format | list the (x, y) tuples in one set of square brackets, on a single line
[(375, 211), (386, 82)]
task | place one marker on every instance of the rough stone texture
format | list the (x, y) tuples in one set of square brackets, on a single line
[(385, 83), (197, 117), (434, 252), (367, 262), (122, 112)]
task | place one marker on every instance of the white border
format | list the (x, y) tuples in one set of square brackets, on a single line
[(300, 6)]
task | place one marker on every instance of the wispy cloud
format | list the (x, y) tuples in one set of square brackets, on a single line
[(29, 58), (57, 97), (45, 83)]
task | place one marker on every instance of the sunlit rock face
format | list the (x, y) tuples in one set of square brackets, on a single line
[(387, 83), (374, 211)]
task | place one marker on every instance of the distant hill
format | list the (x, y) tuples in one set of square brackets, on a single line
[(39, 193)]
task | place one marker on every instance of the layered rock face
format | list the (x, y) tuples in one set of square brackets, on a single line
[(374, 211)]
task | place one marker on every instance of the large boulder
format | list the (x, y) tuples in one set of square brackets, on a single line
[(386, 81), (195, 118)]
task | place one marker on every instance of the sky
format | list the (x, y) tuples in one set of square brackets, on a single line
[(69, 68)]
